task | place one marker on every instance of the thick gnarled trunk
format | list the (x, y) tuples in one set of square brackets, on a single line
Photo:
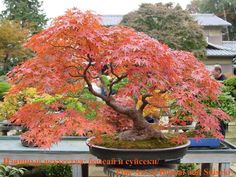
[(141, 129)]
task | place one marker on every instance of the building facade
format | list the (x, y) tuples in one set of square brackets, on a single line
[(218, 51)]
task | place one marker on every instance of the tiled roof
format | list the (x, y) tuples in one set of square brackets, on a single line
[(230, 45), (220, 53), (110, 20), (216, 51), (202, 19), (210, 20)]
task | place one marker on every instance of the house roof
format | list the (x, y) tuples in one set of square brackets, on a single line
[(230, 45), (110, 20), (219, 51), (202, 19), (210, 20)]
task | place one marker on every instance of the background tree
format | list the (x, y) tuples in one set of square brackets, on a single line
[(193, 7), (12, 36), (170, 25), (225, 9), (70, 56), (27, 12)]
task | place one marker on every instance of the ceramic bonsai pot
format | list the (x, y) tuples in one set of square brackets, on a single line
[(205, 142), (162, 154)]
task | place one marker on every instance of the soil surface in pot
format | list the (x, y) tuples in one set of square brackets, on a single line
[(154, 143), (193, 134)]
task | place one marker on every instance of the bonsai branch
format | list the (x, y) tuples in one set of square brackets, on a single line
[(108, 99), (117, 80), (86, 79), (112, 70), (144, 102), (77, 69)]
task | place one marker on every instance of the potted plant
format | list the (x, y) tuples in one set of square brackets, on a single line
[(71, 56), (206, 140)]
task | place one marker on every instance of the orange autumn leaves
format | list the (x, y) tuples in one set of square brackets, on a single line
[(157, 102)]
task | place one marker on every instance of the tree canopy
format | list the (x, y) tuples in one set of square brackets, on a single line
[(170, 25), (226, 9), (71, 54), (27, 12), (12, 36)]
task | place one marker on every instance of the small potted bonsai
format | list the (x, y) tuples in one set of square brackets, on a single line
[(71, 55), (206, 140)]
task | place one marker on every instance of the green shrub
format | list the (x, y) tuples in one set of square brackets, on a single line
[(226, 101), (2, 72), (13, 102), (4, 87), (57, 170), (8, 171), (230, 86), (188, 170)]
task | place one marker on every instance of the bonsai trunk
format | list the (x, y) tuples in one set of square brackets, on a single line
[(141, 129)]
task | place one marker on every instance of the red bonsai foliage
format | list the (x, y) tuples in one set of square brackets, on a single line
[(71, 55), (47, 127)]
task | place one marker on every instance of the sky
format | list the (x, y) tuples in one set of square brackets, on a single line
[(54, 8)]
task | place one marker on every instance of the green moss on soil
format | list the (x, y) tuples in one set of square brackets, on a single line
[(113, 142), (192, 134)]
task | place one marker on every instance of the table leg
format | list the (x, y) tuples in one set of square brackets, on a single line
[(85, 170), (224, 169), (4, 132), (77, 171), (205, 168)]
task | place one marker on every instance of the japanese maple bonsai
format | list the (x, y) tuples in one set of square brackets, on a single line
[(72, 53)]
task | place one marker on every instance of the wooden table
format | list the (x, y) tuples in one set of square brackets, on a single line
[(74, 151)]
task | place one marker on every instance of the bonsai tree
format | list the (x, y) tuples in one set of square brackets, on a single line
[(71, 55)]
